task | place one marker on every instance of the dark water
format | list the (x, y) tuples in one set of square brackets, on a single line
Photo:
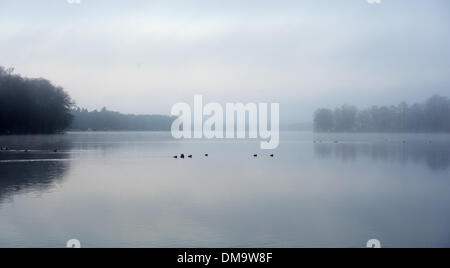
[(126, 190)]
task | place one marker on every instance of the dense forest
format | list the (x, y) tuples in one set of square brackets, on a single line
[(32, 106), (105, 120), (433, 115)]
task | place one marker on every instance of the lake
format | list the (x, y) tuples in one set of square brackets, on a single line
[(125, 189)]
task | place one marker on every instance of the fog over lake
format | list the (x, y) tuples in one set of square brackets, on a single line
[(125, 189), (106, 107)]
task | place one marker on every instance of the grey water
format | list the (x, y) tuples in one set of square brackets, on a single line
[(125, 189)]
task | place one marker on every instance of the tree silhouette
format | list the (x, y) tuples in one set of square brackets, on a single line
[(31, 106), (432, 115), (105, 120)]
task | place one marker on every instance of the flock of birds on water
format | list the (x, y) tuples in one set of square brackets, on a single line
[(25, 151), (183, 156)]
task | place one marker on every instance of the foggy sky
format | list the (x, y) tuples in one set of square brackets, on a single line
[(143, 56)]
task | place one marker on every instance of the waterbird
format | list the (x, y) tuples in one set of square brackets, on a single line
[(190, 156), (255, 155), (182, 156), (272, 155), (206, 155), (55, 151), (176, 157)]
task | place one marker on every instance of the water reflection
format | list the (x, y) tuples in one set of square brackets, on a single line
[(126, 190), (26, 177), (434, 155), (32, 164)]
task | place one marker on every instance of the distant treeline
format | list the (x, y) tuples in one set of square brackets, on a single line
[(105, 120), (432, 115), (33, 106), (30, 106)]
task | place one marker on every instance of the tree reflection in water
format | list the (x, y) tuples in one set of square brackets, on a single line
[(434, 155)]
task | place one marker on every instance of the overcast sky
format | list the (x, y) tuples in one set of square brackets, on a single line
[(142, 56)]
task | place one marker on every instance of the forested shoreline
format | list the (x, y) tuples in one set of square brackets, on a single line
[(32, 106), (430, 116), (105, 120), (36, 106)]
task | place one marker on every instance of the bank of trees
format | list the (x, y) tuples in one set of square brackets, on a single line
[(33, 106), (433, 115), (30, 106), (105, 120)]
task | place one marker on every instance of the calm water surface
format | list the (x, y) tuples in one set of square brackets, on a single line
[(126, 190)]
